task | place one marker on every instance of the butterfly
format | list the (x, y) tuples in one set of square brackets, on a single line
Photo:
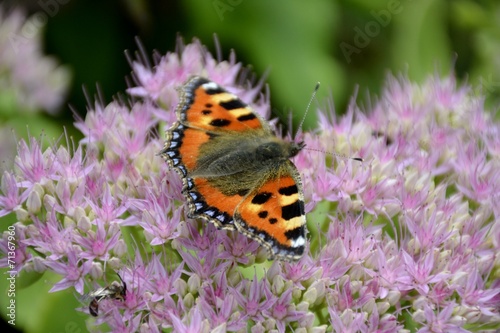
[(236, 172), (115, 290)]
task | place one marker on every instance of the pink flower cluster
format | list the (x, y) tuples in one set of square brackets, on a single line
[(30, 81), (28, 77), (407, 240)]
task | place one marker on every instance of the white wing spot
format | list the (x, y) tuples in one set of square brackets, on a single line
[(210, 85), (301, 241)]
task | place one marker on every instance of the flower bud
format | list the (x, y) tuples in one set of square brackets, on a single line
[(418, 316), (120, 248), (96, 270), (393, 297), (84, 223), (318, 329), (181, 286), (115, 263), (188, 300), (258, 328), (22, 215), (68, 222), (278, 285), (311, 295), (49, 202), (382, 307), (34, 202), (194, 283), (38, 264), (369, 305)]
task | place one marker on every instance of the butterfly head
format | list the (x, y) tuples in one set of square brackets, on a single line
[(296, 147), (277, 149)]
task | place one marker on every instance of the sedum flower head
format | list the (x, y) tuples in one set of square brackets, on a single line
[(34, 81), (30, 81), (406, 240)]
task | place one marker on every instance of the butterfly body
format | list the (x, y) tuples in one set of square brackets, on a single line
[(236, 173)]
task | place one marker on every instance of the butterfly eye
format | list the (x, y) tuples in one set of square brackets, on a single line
[(296, 147)]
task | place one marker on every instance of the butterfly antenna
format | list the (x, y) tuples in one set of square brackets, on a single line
[(307, 108), (344, 157)]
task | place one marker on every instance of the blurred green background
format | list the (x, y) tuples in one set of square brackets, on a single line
[(348, 46)]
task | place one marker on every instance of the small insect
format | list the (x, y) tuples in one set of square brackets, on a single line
[(116, 290)]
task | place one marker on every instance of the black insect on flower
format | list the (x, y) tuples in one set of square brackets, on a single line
[(116, 290)]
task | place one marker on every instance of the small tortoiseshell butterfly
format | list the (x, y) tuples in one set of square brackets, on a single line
[(236, 173)]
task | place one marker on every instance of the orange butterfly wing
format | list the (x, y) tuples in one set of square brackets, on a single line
[(274, 214)]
